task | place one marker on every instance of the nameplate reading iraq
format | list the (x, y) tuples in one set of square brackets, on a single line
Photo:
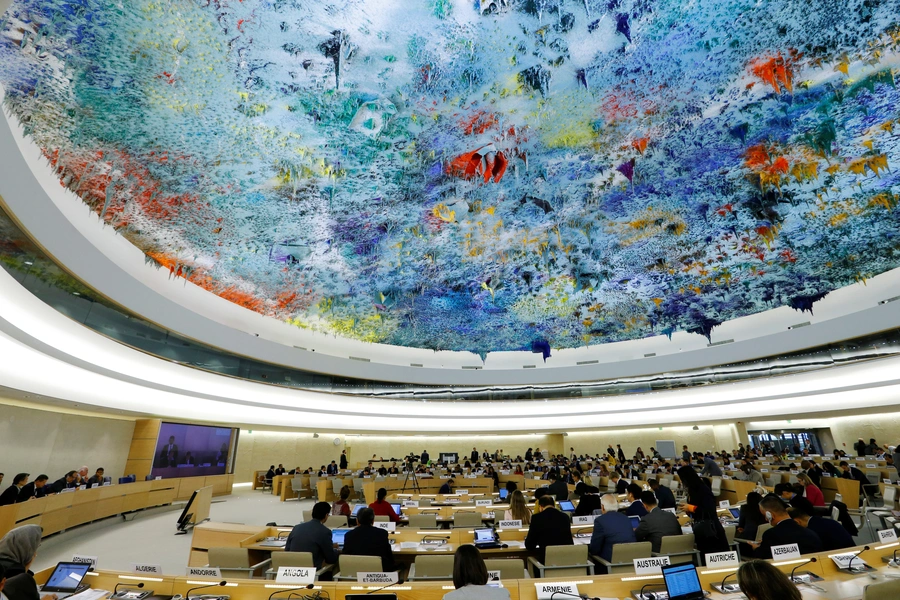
[(204, 572), (545, 591), (650, 566), (142, 569), (295, 575), (583, 520), (785, 552)]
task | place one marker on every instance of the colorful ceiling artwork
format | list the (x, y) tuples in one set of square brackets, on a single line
[(478, 175)]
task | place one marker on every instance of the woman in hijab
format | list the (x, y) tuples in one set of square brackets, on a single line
[(708, 531), (18, 549)]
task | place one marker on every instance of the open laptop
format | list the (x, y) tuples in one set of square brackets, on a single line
[(356, 508), (566, 506), (635, 521), (397, 507), (682, 582), (66, 579), (486, 538), (337, 537), (504, 493), (735, 512)]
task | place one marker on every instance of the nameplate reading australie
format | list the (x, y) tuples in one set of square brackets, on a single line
[(886, 536), (84, 559), (295, 575), (386, 525), (583, 520), (650, 566), (141, 569), (382, 578), (545, 591), (785, 552), (722, 559), (204, 572), (515, 524), (484, 502)]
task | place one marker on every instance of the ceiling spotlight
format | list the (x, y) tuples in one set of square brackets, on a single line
[(696, 428)]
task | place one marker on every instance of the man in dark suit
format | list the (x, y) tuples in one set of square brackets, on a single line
[(664, 496), (312, 536), (367, 540), (558, 487), (857, 475), (831, 532), (447, 487), (550, 527), (612, 527), (784, 530), (474, 456), (343, 464), (656, 524), (620, 454), (168, 454), (425, 457), (35, 489), (11, 494), (332, 468), (66, 481), (621, 484)]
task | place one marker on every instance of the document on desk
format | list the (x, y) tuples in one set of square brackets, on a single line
[(91, 594), (514, 544), (409, 545)]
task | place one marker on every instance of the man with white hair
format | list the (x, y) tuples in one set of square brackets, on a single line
[(611, 527), (82, 476)]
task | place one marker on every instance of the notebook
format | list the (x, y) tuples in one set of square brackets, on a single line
[(337, 536), (66, 579), (486, 538), (396, 506), (635, 521), (566, 506), (735, 512), (504, 493), (356, 508), (682, 582)]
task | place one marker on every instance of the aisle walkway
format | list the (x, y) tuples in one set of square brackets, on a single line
[(150, 537)]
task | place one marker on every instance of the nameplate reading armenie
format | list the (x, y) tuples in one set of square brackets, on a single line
[(545, 591), (785, 552), (886, 536)]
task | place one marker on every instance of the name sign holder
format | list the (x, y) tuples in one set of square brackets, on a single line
[(144, 569), (650, 566), (514, 524), (85, 559), (386, 525), (583, 520), (786, 552), (295, 575), (212, 572), (546, 591), (379, 577)]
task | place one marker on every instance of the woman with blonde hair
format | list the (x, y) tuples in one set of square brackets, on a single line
[(518, 510), (811, 490)]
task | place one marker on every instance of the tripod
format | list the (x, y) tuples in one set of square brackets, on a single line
[(411, 471)]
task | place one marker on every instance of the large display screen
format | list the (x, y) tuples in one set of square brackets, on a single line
[(192, 450)]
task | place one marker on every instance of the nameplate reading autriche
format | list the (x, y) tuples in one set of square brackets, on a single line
[(295, 575), (650, 566), (386, 525), (84, 559), (545, 591), (204, 572), (583, 520), (484, 502), (887, 536), (142, 569), (383, 578), (722, 559), (785, 552), (515, 524)]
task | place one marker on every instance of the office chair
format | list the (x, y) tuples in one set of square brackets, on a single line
[(294, 559), (679, 549), (349, 565), (430, 567), (234, 563), (563, 561), (510, 568), (623, 555)]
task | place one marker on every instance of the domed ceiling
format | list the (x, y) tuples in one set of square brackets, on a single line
[(478, 175)]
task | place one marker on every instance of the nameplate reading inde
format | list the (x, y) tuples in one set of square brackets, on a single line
[(650, 566), (204, 572), (84, 559), (142, 569), (583, 520), (484, 502), (886, 536), (545, 591), (377, 577), (295, 575), (722, 559), (516, 524), (785, 552), (386, 525), (494, 576)]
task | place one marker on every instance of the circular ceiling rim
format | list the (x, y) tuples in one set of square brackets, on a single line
[(106, 262)]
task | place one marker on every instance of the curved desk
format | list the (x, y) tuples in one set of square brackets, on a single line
[(62, 511)]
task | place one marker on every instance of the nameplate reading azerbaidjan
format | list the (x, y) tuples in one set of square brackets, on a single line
[(381, 578), (562, 589), (722, 559), (204, 572), (650, 566), (583, 520), (785, 552), (85, 559), (515, 524), (887, 536), (142, 569), (295, 575)]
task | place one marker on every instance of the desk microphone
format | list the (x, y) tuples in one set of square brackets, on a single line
[(280, 533), (200, 587), (651, 595), (398, 582), (730, 575), (305, 587), (893, 561), (582, 596), (116, 589), (582, 530), (811, 560), (850, 563), (442, 538)]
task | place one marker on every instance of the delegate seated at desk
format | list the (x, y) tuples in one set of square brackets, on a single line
[(611, 527), (470, 577), (383, 508), (447, 487), (550, 527), (558, 487), (656, 524), (636, 509), (664, 496), (314, 537), (367, 540), (784, 530), (831, 532)]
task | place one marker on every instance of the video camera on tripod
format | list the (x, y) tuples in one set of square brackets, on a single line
[(413, 458)]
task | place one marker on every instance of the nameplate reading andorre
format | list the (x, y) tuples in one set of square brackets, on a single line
[(381, 578), (650, 566), (295, 575), (545, 591), (785, 552), (204, 572)]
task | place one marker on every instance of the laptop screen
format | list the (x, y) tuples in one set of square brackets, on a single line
[(337, 536), (484, 535), (67, 576), (356, 509), (682, 582), (504, 493), (566, 505), (396, 507), (635, 521), (735, 512)]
